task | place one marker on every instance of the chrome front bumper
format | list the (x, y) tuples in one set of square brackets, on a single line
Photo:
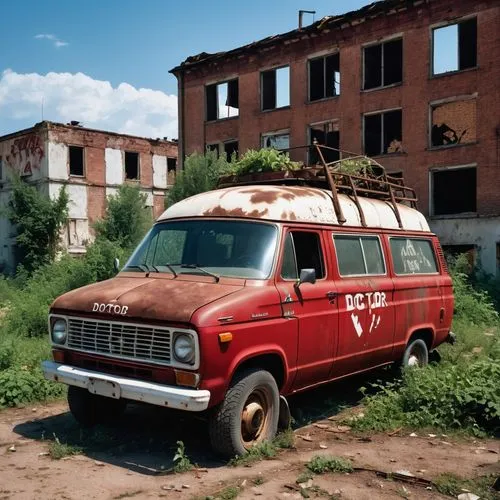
[(120, 387)]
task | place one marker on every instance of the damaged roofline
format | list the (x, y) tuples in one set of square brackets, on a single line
[(327, 23)]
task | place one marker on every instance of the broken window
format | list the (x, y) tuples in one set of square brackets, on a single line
[(131, 165), (276, 141), (383, 64), (454, 47), (324, 77), (171, 170), (275, 88), (213, 147), (230, 149), (222, 100), (76, 161), (454, 191), (453, 123), (383, 133), (326, 134)]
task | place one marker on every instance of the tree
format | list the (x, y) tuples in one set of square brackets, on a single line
[(200, 174), (127, 219), (38, 220)]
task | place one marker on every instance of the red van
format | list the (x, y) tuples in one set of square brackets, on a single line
[(241, 296)]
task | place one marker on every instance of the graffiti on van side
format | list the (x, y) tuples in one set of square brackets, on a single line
[(361, 301), (412, 260)]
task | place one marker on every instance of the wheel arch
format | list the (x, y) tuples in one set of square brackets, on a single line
[(426, 333)]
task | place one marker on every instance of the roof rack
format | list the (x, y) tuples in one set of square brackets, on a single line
[(351, 174)]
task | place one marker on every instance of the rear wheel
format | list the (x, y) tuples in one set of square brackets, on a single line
[(91, 409), (247, 416), (416, 354)]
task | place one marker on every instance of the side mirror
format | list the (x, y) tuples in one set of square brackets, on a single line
[(306, 276), (116, 264)]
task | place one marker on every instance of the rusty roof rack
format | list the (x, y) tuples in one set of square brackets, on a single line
[(353, 175)]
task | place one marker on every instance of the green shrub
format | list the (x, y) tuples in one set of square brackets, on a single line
[(461, 396), (38, 220), (264, 160), (126, 220), (321, 464), (18, 386), (7, 291), (200, 174)]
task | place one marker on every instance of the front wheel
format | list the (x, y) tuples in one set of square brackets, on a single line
[(247, 416), (91, 409), (416, 354)]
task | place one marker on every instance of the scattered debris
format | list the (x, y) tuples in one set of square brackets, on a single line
[(100, 464), (413, 435), (432, 435), (305, 437), (13, 448), (395, 431), (321, 426), (323, 446), (467, 496)]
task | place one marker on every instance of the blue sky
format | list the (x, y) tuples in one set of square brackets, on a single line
[(106, 62)]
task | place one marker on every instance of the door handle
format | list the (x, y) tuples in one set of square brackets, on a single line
[(331, 296)]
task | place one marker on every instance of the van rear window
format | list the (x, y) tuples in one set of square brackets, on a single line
[(413, 256), (359, 255)]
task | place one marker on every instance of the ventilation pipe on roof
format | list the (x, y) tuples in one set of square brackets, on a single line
[(301, 13)]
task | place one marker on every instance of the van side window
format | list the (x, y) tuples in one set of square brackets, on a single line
[(359, 255), (413, 256), (302, 250)]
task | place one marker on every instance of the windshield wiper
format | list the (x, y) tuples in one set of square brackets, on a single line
[(208, 273), (142, 267), (171, 268)]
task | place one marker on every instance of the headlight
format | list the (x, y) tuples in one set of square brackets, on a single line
[(184, 348), (59, 331)]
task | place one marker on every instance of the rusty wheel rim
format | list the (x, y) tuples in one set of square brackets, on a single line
[(255, 417)]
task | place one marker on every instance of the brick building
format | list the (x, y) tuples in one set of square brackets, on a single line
[(413, 83), (92, 164)]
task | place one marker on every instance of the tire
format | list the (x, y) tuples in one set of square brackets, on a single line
[(90, 409), (247, 416), (416, 354)]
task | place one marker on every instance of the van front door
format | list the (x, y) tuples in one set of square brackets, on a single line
[(314, 306)]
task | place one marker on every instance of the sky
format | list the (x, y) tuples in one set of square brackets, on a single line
[(106, 63)]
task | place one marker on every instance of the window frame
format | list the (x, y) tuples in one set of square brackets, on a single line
[(138, 178), (360, 235), (417, 238), (274, 134), (324, 123), (84, 161), (444, 24), (381, 112), (315, 58), (324, 265), (261, 88), (221, 82), (391, 38)]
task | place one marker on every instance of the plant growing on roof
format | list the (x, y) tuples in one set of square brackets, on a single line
[(264, 160), (355, 166)]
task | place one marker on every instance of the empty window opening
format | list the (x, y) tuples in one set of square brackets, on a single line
[(453, 123), (324, 77), (326, 134), (76, 160), (453, 251), (131, 165), (222, 100), (275, 85), (276, 141), (171, 170), (383, 133), (454, 47), (454, 191), (383, 64), (213, 147), (302, 250), (231, 150)]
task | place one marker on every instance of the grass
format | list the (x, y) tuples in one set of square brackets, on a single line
[(182, 463), (258, 481), (128, 494), (452, 485), (320, 464), (58, 450)]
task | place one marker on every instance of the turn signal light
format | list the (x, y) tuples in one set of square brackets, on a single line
[(58, 356), (188, 379), (225, 337)]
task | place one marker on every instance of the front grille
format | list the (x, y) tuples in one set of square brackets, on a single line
[(124, 340)]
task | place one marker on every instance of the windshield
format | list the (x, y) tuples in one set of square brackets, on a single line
[(207, 247)]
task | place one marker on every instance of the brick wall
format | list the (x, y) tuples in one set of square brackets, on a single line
[(414, 95)]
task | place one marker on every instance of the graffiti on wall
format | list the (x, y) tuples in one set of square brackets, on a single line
[(24, 154)]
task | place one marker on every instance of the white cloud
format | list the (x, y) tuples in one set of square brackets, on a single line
[(95, 103), (53, 38)]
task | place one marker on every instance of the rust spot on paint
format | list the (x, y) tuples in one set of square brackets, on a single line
[(235, 212), (288, 215)]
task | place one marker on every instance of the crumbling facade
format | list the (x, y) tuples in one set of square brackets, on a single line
[(411, 83), (92, 164)]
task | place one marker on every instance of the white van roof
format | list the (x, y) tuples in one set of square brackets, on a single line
[(294, 203)]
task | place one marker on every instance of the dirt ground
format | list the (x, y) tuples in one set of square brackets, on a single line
[(130, 459)]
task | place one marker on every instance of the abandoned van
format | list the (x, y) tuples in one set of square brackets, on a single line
[(236, 298)]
